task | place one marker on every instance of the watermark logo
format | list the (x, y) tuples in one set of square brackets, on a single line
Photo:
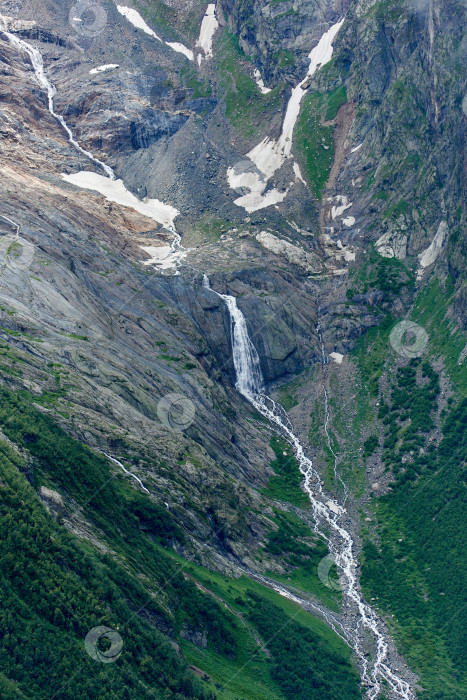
[(175, 411), (327, 573), (16, 252), (88, 18), (409, 339), (103, 644)]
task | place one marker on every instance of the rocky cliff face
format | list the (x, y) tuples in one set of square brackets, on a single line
[(371, 210), (276, 36)]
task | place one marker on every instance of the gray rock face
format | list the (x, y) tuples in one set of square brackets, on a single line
[(279, 36)]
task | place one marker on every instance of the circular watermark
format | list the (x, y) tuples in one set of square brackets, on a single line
[(93, 644), (88, 18), (175, 411), (409, 339), (327, 574), (16, 252)]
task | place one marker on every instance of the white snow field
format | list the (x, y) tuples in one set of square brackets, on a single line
[(103, 69), (206, 34), (429, 255), (176, 46), (269, 155), (165, 257), (260, 82), (342, 204), (137, 21), (115, 191)]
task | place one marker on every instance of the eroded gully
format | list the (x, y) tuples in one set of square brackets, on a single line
[(364, 630)]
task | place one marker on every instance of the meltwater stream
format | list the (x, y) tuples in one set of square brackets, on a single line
[(337, 476), (45, 84), (108, 186), (326, 511)]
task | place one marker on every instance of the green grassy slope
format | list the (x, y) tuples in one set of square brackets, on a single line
[(314, 137), (56, 588), (414, 562)]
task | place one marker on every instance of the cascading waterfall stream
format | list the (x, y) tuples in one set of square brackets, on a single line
[(38, 66), (326, 511), (124, 469), (176, 247), (245, 357), (327, 415), (13, 223)]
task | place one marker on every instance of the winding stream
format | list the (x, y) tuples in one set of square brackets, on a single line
[(327, 417), (326, 511), (128, 473), (38, 65)]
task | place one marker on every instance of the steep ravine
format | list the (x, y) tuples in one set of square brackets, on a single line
[(328, 515)]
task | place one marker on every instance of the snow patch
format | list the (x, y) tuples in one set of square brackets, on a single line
[(13, 24), (348, 253), (260, 83), (429, 255), (176, 46), (356, 148), (206, 34), (115, 191), (348, 221), (298, 173), (337, 357), (340, 208), (163, 256), (254, 181), (269, 155), (102, 69), (136, 20)]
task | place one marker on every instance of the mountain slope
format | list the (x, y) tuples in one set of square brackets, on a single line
[(362, 226)]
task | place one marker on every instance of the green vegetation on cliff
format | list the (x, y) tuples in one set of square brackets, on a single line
[(314, 136), (417, 571), (245, 106), (302, 665), (54, 591), (56, 588), (414, 563), (285, 485)]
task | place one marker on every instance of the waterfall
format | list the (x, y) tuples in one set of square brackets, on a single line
[(38, 66), (326, 512), (327, 415), (123, 468), (249, 381)]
